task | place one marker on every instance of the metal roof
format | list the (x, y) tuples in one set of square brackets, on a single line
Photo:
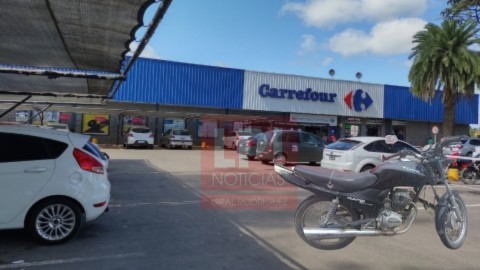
[(74, 35)]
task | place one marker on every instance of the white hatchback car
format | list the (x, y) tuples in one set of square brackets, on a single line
[(358, 154), (231, 139), (139, 136), (50, 182)]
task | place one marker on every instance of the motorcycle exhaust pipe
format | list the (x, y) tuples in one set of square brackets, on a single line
[(337, 233), (325, 233)]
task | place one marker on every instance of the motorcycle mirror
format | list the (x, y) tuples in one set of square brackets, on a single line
[(391, 139)]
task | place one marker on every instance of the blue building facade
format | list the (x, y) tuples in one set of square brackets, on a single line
[(373, 109)]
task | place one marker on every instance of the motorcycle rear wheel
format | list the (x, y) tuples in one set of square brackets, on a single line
[(451, 231), (312, 212)]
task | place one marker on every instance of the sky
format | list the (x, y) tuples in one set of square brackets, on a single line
[(301, 37)]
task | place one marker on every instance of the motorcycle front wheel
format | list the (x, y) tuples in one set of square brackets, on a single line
[(450, 228), (312, 212)]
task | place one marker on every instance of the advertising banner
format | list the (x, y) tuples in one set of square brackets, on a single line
[(129, 121), (96, 124)]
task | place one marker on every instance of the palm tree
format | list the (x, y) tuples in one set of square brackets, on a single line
[(442, 59)]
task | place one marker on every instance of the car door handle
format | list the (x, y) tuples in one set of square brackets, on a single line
[(35, 170)]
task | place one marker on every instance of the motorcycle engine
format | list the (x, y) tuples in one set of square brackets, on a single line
[(400, 199), (392, 215)]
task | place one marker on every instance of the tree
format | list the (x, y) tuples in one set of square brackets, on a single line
[(443, 60), (463, 10)]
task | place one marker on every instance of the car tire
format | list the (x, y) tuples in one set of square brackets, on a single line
[(280, 159), (366, 168), (265, 161), (313, 163), (150, 146), (190, 148), (54, 221), (251, 157), (127, 146)]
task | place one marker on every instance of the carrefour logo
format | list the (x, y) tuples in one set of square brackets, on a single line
[(355, 100), (265, 91)]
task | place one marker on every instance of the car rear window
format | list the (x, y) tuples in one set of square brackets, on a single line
[(265, 136), (181, 132), (343, 145), (141, 130), (92, 149)]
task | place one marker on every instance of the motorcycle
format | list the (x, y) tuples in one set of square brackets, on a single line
[(471, 174), (378, 202)]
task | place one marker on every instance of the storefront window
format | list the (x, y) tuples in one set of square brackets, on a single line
[(208, 129), (353, 127), (173, 123), (399, 128), (374, 127)]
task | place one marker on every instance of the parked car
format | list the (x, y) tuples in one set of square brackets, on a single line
[(231, 139), (50, 183), (248, 146), (139, 136), (58, 126), (468, 147), (358, 154), (282, 146), (177, 137)]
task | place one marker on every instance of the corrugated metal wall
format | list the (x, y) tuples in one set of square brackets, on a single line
[(400, 104), (165, 82), (252, 100)]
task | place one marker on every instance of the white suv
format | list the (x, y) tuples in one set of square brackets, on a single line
[(50, 182)]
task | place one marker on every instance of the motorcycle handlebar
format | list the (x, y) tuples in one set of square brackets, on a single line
[(438, 150)]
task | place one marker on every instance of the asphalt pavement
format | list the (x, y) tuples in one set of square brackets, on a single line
[(158, 220)]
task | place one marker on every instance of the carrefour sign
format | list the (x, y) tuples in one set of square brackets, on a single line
[(266, 91)]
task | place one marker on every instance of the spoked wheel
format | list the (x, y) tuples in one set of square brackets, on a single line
[(451, 228), (468, 176), (54, 222), (312, 212)]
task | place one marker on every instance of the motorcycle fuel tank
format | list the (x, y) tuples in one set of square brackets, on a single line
[(400, 173)]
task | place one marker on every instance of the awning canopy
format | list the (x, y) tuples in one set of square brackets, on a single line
[(70, 34)]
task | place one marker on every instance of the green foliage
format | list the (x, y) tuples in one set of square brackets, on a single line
[(462, 10), (442, 59)]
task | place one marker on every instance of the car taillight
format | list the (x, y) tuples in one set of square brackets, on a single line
[(130, 135), (87, 162), (251, 142)]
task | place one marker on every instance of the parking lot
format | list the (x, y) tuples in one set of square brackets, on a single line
[(160, 218)]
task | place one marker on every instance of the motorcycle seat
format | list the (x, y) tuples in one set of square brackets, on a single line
[(336, 180)]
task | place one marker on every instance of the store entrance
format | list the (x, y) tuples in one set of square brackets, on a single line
[(373, 130), (318, 130)]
